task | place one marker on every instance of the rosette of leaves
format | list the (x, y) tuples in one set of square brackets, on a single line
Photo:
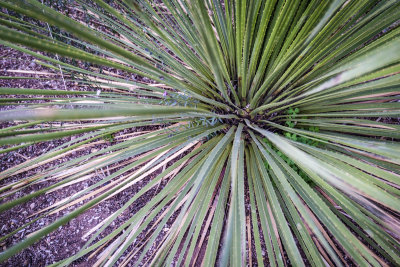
[(220, 76)]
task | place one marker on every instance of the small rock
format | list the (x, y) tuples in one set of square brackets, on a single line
[(32, 206)]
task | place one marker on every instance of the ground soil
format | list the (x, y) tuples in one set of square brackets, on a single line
[(68, 239)]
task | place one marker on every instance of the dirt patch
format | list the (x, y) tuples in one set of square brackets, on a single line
[(67, 239)]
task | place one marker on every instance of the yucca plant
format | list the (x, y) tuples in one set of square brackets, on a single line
[(265, 131)]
